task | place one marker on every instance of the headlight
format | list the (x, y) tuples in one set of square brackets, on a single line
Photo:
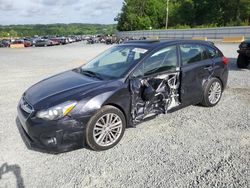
[(56, 112)]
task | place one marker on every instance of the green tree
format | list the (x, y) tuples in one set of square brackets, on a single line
[(56, 29), (13, 33), (137, 15), (144, 14)]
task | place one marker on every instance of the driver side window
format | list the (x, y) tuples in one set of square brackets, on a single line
[(161, 61)]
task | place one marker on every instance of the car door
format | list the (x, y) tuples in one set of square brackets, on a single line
[(154, 84), (196, 68)]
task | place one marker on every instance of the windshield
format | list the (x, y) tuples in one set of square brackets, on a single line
[(114, 62)]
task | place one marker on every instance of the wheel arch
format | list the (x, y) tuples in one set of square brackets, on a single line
[(121, 109), (207, 81), (223, 87)]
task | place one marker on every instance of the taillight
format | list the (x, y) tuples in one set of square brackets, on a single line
[(225, 60)]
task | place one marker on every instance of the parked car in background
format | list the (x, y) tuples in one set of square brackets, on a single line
[(49, 40), (26, 43), (71, 40), (64, 40), (78, 38), (31, 40), (243, 59), (44, 42), (91, 40), (56, 41), (93, 104), (5, 43), (1, 44)]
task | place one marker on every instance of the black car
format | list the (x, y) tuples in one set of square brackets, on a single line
[(93, 104), (244, 54)]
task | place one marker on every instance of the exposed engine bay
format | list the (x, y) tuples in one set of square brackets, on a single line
[(152, 96)]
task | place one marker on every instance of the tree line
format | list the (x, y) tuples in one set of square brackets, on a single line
[(151, 14), (55, 29)]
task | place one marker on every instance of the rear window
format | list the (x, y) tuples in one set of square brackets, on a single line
[(213, 52), (192, 53)]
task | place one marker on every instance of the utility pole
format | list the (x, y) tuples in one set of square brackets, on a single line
[(167, 15)]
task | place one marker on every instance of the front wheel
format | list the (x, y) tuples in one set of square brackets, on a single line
[(212, 92), (242, 61), (105, 129)]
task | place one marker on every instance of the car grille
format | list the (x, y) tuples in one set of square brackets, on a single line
[(25, 106)]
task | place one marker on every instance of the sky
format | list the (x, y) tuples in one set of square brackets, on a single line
[(58, 11)]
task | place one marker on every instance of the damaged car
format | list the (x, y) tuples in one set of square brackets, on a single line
[(243, 59), (92, 105)]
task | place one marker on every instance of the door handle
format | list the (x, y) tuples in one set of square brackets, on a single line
[(209, 68)]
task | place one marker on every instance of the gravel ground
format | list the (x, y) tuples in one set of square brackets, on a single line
[(193, 147)]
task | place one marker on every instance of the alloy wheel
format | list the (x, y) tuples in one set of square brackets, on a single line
[(107, 129), (214, 93)]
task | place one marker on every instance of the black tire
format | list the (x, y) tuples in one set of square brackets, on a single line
[(206, 93), (242, 61), (89, 133)]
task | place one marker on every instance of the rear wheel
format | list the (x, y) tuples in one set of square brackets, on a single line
[(105, 129), (242, 61), (212, 92)]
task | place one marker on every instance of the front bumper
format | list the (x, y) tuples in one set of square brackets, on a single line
[(58, 136)]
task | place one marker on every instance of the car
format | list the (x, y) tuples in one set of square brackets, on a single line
[(26, 43), (2, 45), (56, 41), (63, 40), (31, 40), (44, 42), (7, 42), (243, 59), (91, 105), (91, 40)]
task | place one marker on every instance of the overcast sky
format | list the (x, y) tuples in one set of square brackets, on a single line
[(58, 11)]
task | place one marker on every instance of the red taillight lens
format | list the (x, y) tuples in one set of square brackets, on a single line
[(225, 60)]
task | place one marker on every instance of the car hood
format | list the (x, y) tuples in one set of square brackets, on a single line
[(63, 86)]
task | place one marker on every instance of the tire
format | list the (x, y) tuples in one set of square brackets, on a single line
[(242, 61), (100, 136), (212, 92)]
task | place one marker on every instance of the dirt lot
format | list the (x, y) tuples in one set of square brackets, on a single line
[(194, 147)]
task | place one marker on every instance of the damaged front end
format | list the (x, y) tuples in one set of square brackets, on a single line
[(153, 96)]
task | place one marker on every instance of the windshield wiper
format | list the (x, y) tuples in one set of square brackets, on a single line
[(91, 74)]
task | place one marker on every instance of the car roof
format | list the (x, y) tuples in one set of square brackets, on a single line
[(246, 41), (156, 43)]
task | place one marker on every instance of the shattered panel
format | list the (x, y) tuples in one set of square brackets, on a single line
[(152, 96)]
